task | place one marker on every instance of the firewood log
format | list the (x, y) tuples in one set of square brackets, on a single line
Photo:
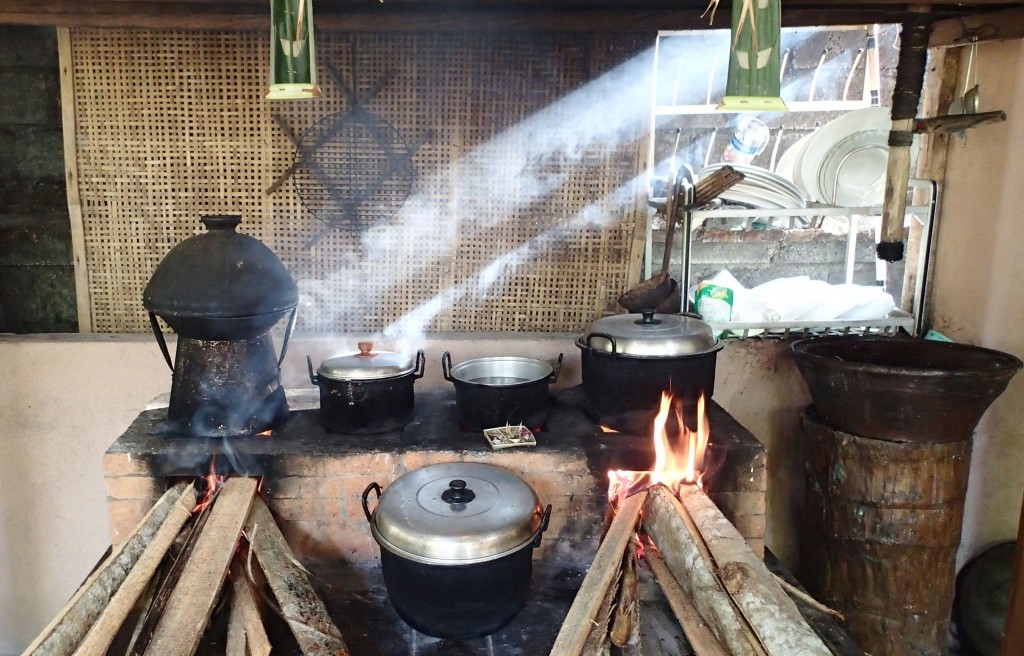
[(68, 629)]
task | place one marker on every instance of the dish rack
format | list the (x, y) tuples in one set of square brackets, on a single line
[(897, 320)]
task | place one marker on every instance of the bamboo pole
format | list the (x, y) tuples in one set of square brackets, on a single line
[(62, 635), (603, 571)]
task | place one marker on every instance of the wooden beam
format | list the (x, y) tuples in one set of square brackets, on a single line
[(300, 606), (1000, 25), (83, 300), (603, 571), (190, 605), (68, 628)]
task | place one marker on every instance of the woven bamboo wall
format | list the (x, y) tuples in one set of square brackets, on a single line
[(520, 214)]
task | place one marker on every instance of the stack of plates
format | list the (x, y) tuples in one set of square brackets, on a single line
[(843, 163), (760, 189)]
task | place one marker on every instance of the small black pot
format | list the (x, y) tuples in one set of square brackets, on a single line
[(366, 405), (457, 553), (500, 391)]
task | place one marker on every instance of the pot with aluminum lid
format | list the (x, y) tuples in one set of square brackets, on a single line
[(628, 360), (456, 542), (368, 391)]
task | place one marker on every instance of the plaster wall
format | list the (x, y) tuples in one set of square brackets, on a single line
[(64, 400), (977, 293)]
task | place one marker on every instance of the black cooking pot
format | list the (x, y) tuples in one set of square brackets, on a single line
[(457, 543), (368, 391), (628, 360), (500, 391)]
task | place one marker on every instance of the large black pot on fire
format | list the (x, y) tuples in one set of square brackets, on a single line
[(366, 392), (628, 360), (456, 544), (500, 391), (222, 292)]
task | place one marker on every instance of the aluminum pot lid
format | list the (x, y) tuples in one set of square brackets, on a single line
[(366, 364), (457, 514), (220, 274), (651, 335)]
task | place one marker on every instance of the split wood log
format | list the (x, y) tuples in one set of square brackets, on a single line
[(258, 644), (603, 571), (236, 630), (669, 526), (102, 633), (625, 630), (189, 607), (69, 627), (597, 639), (698, 634), (300, 606), (956, 122), (770, 612)]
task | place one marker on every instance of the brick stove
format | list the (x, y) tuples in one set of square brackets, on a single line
[(313, 481)]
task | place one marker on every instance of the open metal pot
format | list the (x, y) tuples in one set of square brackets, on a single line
[(628, 360), (499, 391), (366, 392), (457, 543)]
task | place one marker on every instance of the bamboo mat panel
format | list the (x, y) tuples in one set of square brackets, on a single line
[(513, 223)]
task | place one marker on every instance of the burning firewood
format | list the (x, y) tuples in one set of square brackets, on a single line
[(299, 604), (94, 597), (246, 634), (603, 572), (625, 629), (190, 605)]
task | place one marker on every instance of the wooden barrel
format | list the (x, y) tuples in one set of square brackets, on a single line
[(881, 534)]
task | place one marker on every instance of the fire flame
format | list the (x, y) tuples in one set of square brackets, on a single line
[(213, 481), (676, 462)]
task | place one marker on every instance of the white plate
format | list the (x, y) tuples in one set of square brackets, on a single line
[(785, 167), (761, 178), (828, 137), (852, 173)]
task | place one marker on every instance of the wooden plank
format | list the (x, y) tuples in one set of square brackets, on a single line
[(65, 57), (603, 571), (998, 25), (103, 631), (300, 606), (1014, 637), (190, 605), (243, 599), (68, 628)]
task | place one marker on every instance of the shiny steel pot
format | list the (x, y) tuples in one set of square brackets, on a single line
[(456, 543), (366, 392), (499, 391), (628, 360)]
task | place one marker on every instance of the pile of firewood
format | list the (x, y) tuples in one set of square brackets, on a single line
[(156, 592), (724, 597)]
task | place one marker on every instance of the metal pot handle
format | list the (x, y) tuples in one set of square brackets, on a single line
[(366, 502), (160, 340), (543, 526), (553, 376), (313, 378), (287, 336), (421, 365), (446, 366), (615, 347)]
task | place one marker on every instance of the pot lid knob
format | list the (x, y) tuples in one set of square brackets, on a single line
[(226, 222), (647, 318), (365, 349), (457, 492)]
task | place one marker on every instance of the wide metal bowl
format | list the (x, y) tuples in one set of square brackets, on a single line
[(501, 390)]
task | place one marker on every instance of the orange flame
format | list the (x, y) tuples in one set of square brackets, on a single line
[(676, 462), (605, 429), (213, 482)]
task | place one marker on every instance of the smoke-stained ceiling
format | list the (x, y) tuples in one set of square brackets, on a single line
[(476, 15)]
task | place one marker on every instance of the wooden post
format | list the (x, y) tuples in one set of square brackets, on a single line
[(69, 627), (603, 571), (190, 605)]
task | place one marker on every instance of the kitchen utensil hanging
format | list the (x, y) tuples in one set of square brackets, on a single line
[(352, 169)]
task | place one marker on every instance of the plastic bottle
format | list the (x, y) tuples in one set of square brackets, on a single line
[(748, 141)]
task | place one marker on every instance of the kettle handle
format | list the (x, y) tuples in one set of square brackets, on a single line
[(543, 526), (366, 503), (160, 340), (446, 366), (421, 365), (287, 337)]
